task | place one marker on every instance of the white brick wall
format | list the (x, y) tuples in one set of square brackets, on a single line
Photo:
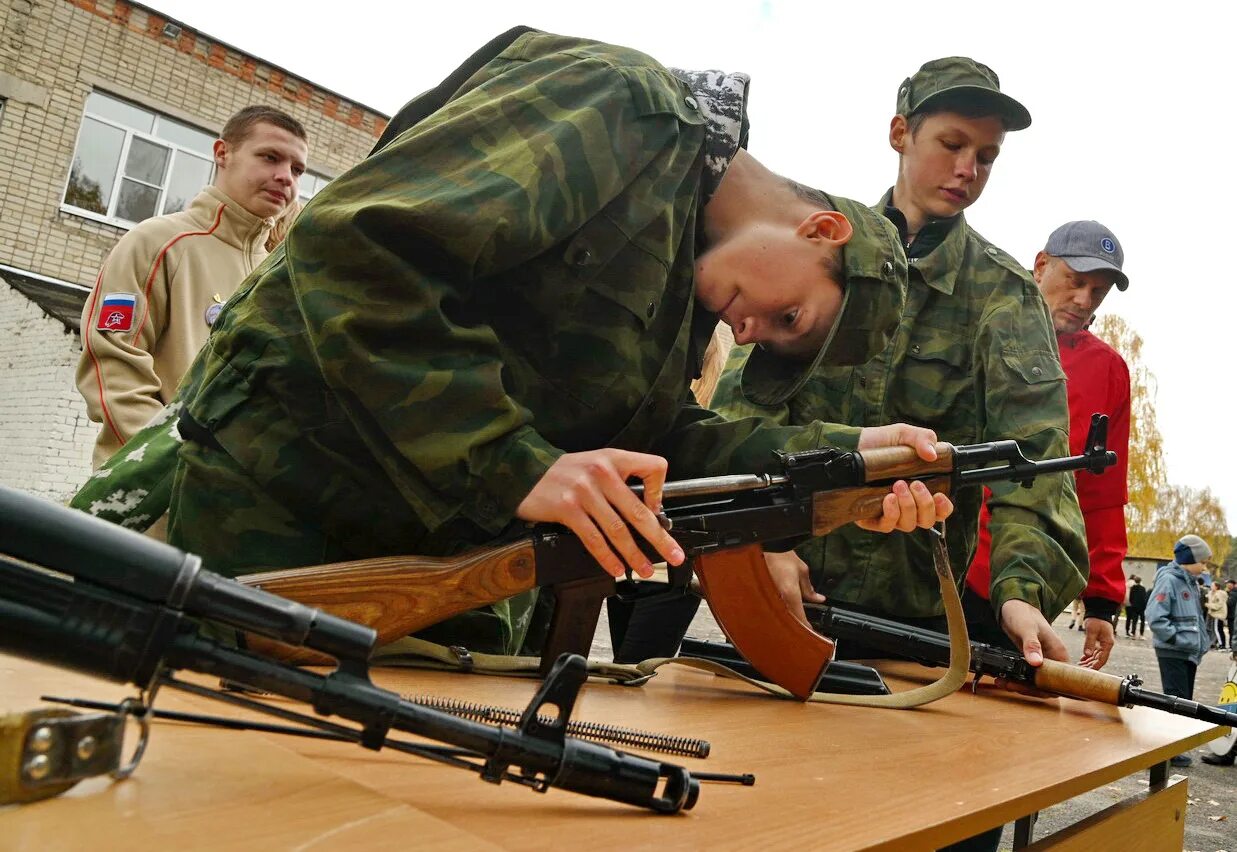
[(45, 437)]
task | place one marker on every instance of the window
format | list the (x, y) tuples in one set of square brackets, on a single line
[(132, 163), (310, 185)]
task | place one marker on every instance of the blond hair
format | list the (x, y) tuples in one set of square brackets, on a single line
[(282, 224), (715, 355)]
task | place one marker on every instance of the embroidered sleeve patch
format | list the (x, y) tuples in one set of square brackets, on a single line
[(117, 312)]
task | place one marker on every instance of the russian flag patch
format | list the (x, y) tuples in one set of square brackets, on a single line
[(117, 312)]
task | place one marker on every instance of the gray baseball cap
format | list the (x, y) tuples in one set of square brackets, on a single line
[(1087, 246), (960, 77)]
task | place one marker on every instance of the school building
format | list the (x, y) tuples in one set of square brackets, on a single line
[(108, 111)]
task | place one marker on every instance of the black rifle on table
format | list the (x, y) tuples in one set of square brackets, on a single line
[(1005, 667), (83, 594)]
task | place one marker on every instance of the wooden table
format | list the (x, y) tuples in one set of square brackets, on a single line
[(828, 777)]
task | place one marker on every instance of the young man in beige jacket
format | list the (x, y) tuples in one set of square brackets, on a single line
[(165, 282)]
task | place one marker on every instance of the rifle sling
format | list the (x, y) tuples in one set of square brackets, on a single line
[(419, 653)]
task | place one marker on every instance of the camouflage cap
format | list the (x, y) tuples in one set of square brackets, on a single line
[(873, 298), (960, 78)]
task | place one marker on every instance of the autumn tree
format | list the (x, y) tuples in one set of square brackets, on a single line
[(1158, 513)]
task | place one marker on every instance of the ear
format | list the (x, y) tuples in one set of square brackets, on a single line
[(1041, 264), (898, 132), (828, 225), (221, 151)]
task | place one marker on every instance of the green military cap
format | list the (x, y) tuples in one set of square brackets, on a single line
[(873, 297), (960, 78)]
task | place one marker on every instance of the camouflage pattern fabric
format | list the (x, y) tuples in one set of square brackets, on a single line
[(975, 358), (134, 486), (505, 281)]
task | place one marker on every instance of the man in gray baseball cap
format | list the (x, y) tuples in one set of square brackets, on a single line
[(1080, 264), (1078, 267)]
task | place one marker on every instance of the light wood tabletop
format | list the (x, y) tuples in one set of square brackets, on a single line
[(830, 777)]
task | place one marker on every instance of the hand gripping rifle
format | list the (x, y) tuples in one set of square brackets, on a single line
[(83, 594), (723, 524), (1008, 668)]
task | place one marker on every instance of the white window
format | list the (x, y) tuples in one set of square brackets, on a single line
[(310, 185), (132, 163)]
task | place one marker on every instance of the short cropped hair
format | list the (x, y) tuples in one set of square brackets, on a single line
[(810, 194), (240, 126), (963, 105)]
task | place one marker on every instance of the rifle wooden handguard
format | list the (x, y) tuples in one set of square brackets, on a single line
[(833, 509), (1077, 682), (884, 463), (737, 585)]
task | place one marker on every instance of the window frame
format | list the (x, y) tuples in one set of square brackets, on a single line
[(175, 150)]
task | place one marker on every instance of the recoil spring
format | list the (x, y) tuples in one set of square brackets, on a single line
[(596, 731)]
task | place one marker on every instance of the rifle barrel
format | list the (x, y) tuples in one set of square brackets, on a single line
[(1139, 697)]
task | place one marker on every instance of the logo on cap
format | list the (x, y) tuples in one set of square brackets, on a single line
[(1108, 245)]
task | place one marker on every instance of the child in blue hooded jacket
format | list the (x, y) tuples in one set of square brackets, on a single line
[(1175, 616)]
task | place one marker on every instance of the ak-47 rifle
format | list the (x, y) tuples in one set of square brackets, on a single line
[(1008, 668), (724, 524), (84, 594)]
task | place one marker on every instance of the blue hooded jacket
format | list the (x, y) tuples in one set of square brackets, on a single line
[(1175, 615)]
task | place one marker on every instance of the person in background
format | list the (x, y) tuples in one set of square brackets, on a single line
[(1136, 610), (1217, 615), (1231, 617), (1175, 615), (1075, 609), (164, 283)]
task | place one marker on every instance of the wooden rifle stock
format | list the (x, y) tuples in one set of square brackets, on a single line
[(398, 595)]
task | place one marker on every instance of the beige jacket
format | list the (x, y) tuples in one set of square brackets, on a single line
[(152, 305), (1217, 603)]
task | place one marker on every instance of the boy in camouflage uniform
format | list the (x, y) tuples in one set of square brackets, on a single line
[(974, 358), (528, 273)]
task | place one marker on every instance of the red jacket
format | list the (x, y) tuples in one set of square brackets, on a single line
[(1097, 379)]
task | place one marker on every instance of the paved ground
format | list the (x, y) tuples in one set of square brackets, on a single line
[(1211, 818)]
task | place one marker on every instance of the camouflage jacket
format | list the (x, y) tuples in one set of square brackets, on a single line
[(975, 359), (505, 281)]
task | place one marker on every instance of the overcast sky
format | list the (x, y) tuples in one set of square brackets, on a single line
[(1132, 112)]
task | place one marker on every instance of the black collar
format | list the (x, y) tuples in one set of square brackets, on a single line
[(929, 237)]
